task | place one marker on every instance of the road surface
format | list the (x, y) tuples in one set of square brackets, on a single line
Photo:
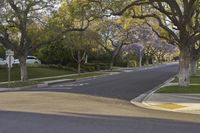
[(125, 86)]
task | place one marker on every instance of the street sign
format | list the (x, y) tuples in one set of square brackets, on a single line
[(9, 52), (10, 60)]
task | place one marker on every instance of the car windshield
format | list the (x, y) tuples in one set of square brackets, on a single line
[(31, 57)]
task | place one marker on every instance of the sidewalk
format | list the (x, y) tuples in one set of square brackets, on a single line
[(185, 103)]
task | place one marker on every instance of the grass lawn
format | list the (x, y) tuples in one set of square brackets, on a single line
[(33, 82), (19, 84), (39, 72), (33, 72), (193, 79), (193, 88)]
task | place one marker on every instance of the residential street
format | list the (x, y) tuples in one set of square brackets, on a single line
[(56, 59), (12, 122), (126, 85), (118, 116)]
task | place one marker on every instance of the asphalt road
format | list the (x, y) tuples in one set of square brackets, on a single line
[(15, 122), (125, 86)]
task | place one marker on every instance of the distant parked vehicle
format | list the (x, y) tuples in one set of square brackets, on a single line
[(29, 60), (2, 61), (16, 61), (32, 60)]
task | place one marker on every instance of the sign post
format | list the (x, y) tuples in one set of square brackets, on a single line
[(9, 61)]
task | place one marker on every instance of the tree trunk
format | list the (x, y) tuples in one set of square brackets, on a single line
[(115, 54), (112, 60), (194, 61), (163, 59), (140, 61), (79, 63), (86, 59), (147, 60), (193, 67), (111, 63), (23, 68), (184, 72), (79, 68)]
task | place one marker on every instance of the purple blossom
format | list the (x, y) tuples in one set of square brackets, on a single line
[(137, 48)]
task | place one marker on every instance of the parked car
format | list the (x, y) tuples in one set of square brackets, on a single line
[(32, 60), (16, 61), (2, 61), (29, 60)]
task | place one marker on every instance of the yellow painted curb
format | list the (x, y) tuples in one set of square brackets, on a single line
[(170, 106)]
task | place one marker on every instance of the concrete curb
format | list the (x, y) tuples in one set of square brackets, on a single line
[(143, 97), (147, 106), (61, 76), (146, 67), (140, 101), (44, 84), (51, 82), (58, 81)]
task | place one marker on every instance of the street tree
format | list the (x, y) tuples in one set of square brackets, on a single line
[(144, 35), (26, 25), (163, 50), (180, 19), (136, 49), (16, 17), (79, 15), (195, 55), (113, 36), (80, 43)]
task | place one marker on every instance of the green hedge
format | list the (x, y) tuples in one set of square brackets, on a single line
[(94, 67)]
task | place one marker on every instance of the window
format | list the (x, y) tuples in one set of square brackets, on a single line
[(31, 57)]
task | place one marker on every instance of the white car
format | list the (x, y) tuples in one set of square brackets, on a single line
[(32, 60), (2, 61), (16, 61), (29, 60)]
